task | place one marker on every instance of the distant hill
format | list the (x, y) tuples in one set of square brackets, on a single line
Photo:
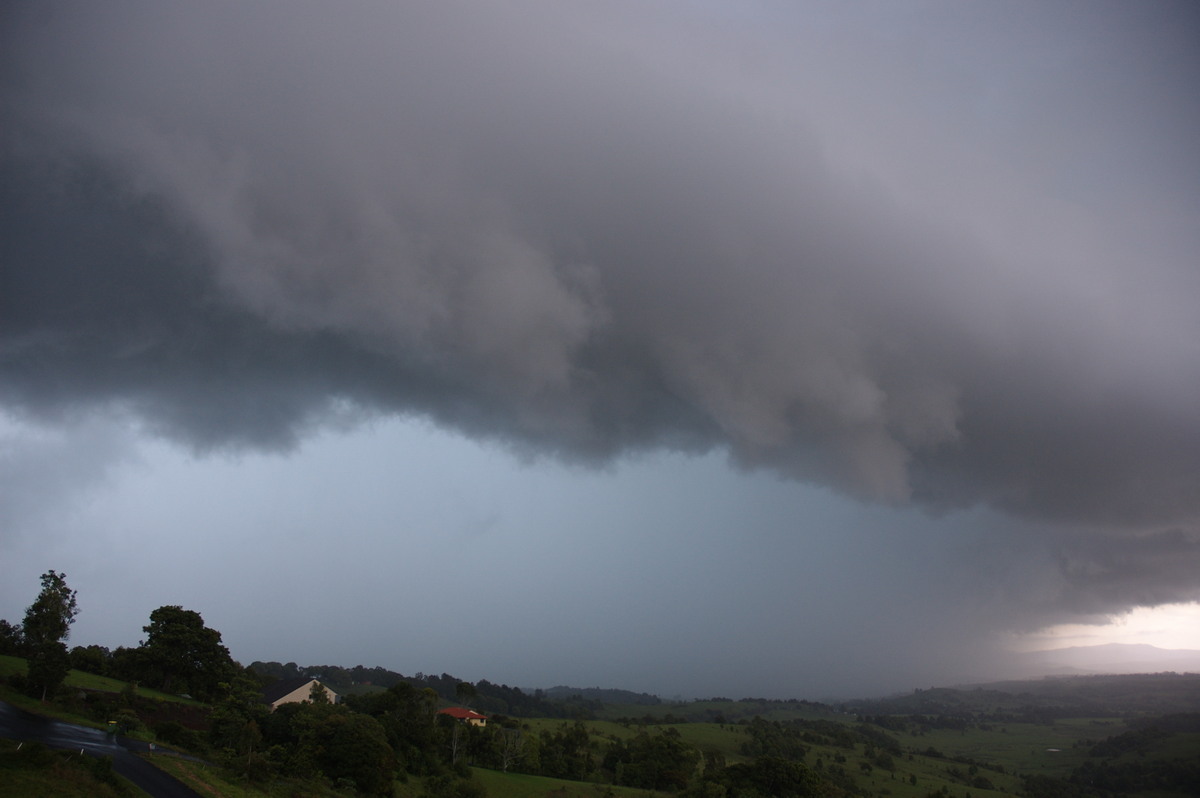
[(1110, 658), (604, 695), (489, 698), (1037, 700)]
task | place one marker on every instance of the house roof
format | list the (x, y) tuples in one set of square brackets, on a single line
[(462, 713), (277, 690)]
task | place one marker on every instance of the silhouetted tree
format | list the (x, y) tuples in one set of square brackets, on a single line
[(47, 624), (12, 641), (180, 652)]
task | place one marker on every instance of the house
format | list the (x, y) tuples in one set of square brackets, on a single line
[(465, 715), (290, 691)]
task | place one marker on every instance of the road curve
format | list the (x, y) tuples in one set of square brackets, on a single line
[(17, 724)]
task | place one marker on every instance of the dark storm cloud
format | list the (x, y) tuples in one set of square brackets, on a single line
[(943, 258)]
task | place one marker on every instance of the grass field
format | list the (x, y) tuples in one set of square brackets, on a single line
[(519, 785), (716, 710), (1046, 749)]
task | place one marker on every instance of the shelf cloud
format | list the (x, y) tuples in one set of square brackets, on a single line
[(942, 258)]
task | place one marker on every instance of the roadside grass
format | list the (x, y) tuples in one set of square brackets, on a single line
[(30, 770)]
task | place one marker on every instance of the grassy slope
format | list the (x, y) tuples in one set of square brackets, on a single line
[(213, 781), (25, 771), (90, 681), (81, 681)]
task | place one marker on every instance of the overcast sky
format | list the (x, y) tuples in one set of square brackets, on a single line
[(774, 349)]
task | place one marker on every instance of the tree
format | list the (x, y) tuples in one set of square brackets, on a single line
[(353, 748), (91, 659), (235, 723), (181, 653), (47, 624), (768, 775), (12, 640), (317, 694), (409, 718), (652, 761), (512, 747), (465, 692)]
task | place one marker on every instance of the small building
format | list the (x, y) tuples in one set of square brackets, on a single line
[(465, 715), (292, 691)]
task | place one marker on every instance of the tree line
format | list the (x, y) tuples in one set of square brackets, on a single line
[(489, 698), (179, 655), (369, 740)]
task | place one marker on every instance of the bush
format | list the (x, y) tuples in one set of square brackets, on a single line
[(128, 721), (174, 733), (102, 770), (100, 708)]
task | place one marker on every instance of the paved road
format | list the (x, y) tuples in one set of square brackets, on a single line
[(17, 724)]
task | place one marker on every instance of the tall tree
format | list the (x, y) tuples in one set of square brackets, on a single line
[(47, 624), (181, 653)]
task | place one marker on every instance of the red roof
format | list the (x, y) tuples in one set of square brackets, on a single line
[(462, 713)]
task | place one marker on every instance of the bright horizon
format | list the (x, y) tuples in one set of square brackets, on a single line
[(1170, 626)]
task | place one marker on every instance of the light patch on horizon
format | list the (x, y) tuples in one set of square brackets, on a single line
[(1169, 626)]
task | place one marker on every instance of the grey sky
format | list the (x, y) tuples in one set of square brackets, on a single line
[(806, 346)]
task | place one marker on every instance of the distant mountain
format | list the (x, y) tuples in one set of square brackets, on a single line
[(608, 696), (1038, 700), (1111, 658)]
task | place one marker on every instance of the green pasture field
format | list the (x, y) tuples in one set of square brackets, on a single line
[(931, 773), (520, 785), (703, 736), (1181, 746), (725, 738), (599, 729), (1027, 748), (710, 711)]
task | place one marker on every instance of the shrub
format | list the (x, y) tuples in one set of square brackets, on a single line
[(174, 733)]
